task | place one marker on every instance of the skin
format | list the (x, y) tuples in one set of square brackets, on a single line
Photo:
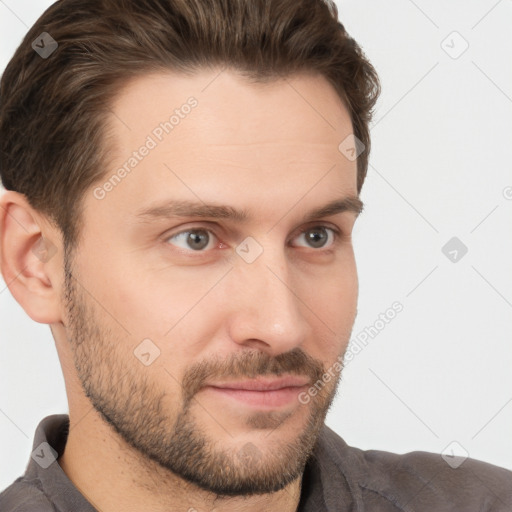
[(270, 149)]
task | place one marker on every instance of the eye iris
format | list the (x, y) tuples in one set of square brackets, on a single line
[(198, 239), (316, 237)]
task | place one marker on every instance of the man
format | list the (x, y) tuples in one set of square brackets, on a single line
[(183, 223)]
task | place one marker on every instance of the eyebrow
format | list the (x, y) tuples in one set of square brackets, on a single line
[(178, 208)]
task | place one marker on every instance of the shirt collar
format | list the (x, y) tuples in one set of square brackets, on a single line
[(328, 482), (49, 443)]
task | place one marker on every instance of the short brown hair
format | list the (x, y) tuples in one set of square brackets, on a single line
[(53, 110)]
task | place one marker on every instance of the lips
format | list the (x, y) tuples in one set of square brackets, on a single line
[(260, 393), (263, 384)]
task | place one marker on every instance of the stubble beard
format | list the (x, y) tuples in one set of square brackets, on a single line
[(138, 411)]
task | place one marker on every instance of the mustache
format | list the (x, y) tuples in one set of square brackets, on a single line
[(250, 364)]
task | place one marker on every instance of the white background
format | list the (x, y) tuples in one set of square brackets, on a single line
[(440, 167)]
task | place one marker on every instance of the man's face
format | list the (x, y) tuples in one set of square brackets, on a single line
[(194, 337)]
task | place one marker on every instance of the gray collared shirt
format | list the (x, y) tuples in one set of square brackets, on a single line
[(337, 478)]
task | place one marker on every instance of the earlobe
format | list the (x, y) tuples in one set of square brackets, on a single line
[(29, 259)]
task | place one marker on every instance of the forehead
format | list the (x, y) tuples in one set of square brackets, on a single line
[(229, 110), (304, 96), (214, 136)]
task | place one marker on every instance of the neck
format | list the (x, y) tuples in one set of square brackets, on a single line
[(113, 476)]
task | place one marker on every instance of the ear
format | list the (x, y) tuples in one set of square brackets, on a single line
[(30, 258)]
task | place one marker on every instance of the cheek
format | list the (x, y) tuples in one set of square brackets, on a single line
[(175, 313), (333, 293), (150, 306)]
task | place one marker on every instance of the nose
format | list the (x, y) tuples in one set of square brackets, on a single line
[(266, 309)]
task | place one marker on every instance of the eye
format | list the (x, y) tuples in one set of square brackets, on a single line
[(201, 239), (195, 239), (318, 237)]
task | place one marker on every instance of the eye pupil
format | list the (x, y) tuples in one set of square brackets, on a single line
[(317, 237), (198, 239)]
